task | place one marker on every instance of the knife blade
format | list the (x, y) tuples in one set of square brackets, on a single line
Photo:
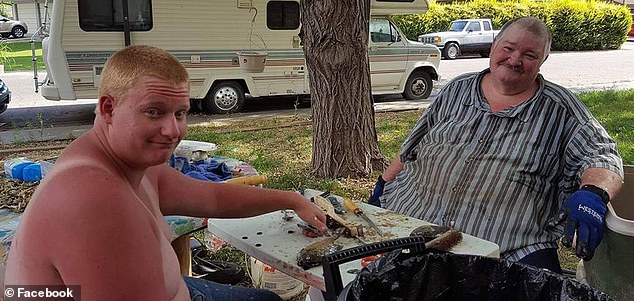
[(352, 207)]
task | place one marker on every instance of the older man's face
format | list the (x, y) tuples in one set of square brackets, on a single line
[(517, 56)]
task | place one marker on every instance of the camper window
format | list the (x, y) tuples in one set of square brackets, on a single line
[(381, 31), (282, 15), (107, 15)]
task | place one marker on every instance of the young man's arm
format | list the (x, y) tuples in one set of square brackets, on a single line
[(181, 195)]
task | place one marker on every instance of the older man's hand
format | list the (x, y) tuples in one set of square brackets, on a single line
[(377, 192), (585, 215)]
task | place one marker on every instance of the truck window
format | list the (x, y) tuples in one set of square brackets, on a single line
[(282, 15), (487, 25), (474, 26), (458, 26), (107, 15), (381, 31)]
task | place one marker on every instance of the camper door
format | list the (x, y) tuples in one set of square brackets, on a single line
[(388, 55), (285, 72)]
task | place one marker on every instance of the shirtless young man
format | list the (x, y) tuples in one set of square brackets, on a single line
[(97, 220)]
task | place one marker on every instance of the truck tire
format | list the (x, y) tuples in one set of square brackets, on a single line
[(418, 86), (17, 32), (225, 98), (451, 51)]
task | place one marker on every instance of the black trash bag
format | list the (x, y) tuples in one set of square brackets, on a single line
[(446, 276)]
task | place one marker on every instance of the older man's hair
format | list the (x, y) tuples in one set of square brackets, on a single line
[(126, 66), (532, 25)]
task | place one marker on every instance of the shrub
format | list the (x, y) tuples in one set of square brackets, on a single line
[(575, 24)]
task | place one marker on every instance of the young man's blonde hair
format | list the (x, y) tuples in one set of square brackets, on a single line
[(127, 65)]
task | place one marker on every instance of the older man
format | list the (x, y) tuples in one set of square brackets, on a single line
[(505, 155), (97, 218)]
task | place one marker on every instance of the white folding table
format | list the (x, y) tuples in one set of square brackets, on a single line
[(277, 242)]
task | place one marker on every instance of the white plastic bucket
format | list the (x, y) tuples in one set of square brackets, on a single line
[(252, 61), (267, 277), (611, 269)]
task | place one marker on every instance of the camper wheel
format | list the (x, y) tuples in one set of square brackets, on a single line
[(225, 98), (418, 85)]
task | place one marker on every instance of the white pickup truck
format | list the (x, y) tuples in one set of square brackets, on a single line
[(464, 36)]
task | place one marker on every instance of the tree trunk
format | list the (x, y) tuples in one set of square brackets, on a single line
[(335, 38)]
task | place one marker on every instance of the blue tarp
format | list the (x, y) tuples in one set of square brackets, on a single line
[(205, 170)]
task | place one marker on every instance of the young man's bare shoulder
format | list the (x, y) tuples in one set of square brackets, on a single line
[(74, 181), (77, 201), (81, 192)]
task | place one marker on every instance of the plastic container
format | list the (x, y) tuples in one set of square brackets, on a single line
[(612, 267), (32, 172), (13, 167), (267, 277), (46, 167), (194, 150)]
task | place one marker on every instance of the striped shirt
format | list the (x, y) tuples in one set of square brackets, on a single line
[(499, 176)]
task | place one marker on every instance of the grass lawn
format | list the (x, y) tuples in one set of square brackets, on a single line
[(19, 56), (284, 155), (615, 111)]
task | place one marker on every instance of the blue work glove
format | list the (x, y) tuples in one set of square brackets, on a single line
[(585, 214), (377, 192)]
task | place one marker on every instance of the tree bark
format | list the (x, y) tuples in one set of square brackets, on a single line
[(335, 39)]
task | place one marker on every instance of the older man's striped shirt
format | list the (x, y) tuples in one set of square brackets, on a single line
[(499, 176)]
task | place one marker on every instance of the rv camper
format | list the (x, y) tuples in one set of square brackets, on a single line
[(231, 48)]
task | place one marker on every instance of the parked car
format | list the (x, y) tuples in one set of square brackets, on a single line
[(15, 28), (631, 33), (5, 96), (463, 36)]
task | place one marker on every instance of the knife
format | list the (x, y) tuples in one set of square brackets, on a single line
[(351, 206), (333, 200)]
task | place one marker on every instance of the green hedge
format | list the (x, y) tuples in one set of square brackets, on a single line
[(576, 25)]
